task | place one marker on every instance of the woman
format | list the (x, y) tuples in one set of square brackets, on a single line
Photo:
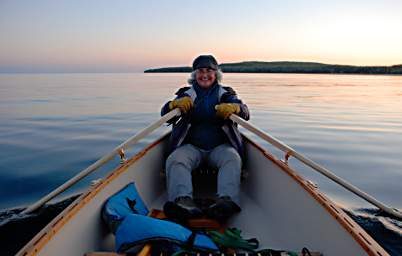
[(204, 134)]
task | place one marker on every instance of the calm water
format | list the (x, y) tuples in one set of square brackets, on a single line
[(54, 125)]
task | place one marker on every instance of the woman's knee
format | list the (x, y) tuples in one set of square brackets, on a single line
[(230, 156), (234, 155)]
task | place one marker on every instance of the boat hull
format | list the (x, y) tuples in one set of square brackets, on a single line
[(280, 208)]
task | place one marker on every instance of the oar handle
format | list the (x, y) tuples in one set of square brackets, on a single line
[(134, 139), (291, 152)]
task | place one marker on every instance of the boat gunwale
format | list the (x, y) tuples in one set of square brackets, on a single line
[(359, 234), (354, 229)]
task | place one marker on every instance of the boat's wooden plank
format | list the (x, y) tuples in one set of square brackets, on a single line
[(205, 223), (145, 251)]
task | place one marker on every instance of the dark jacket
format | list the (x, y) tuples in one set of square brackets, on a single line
[(182, 124)]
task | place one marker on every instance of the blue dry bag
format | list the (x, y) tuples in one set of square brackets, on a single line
[(120, 205)]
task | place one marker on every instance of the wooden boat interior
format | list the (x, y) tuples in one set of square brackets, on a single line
[(279, 208)]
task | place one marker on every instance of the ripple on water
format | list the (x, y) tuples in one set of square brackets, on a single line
[(385, 230)]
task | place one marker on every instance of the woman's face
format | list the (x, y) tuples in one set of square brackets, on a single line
[(205, 77)]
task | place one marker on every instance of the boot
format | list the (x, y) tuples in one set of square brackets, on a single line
[(223, 209), (182, 209)]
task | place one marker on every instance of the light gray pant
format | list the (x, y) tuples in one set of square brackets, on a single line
[(187, 157)]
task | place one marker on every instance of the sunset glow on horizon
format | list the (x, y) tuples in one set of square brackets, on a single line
[(124, 36)]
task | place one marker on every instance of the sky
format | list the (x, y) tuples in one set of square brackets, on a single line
[(133, 35)]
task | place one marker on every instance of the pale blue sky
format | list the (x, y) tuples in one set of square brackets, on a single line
[(106, 35)]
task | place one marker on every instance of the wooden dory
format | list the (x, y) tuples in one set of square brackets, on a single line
[(279, 207)]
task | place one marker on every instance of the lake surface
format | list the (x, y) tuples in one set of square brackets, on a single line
[(54, 125)]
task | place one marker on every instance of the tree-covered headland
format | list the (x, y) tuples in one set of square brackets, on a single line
[(290, 67)]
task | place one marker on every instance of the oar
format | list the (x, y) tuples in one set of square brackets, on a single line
[(103, 160), (291, 152)]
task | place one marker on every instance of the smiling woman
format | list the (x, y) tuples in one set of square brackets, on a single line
[(204, 136)]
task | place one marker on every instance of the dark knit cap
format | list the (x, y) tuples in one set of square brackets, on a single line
[(205, 61)]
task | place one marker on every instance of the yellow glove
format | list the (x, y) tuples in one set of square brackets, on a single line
[(224, 110), (184, 104)]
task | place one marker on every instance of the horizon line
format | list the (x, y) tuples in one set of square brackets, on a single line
[(24, 70)]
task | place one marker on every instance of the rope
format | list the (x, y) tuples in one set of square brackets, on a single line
[(231, 238)]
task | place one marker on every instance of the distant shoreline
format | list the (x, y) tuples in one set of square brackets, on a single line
[(281, 67)]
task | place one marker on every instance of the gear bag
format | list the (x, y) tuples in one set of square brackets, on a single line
[(120, 205)]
